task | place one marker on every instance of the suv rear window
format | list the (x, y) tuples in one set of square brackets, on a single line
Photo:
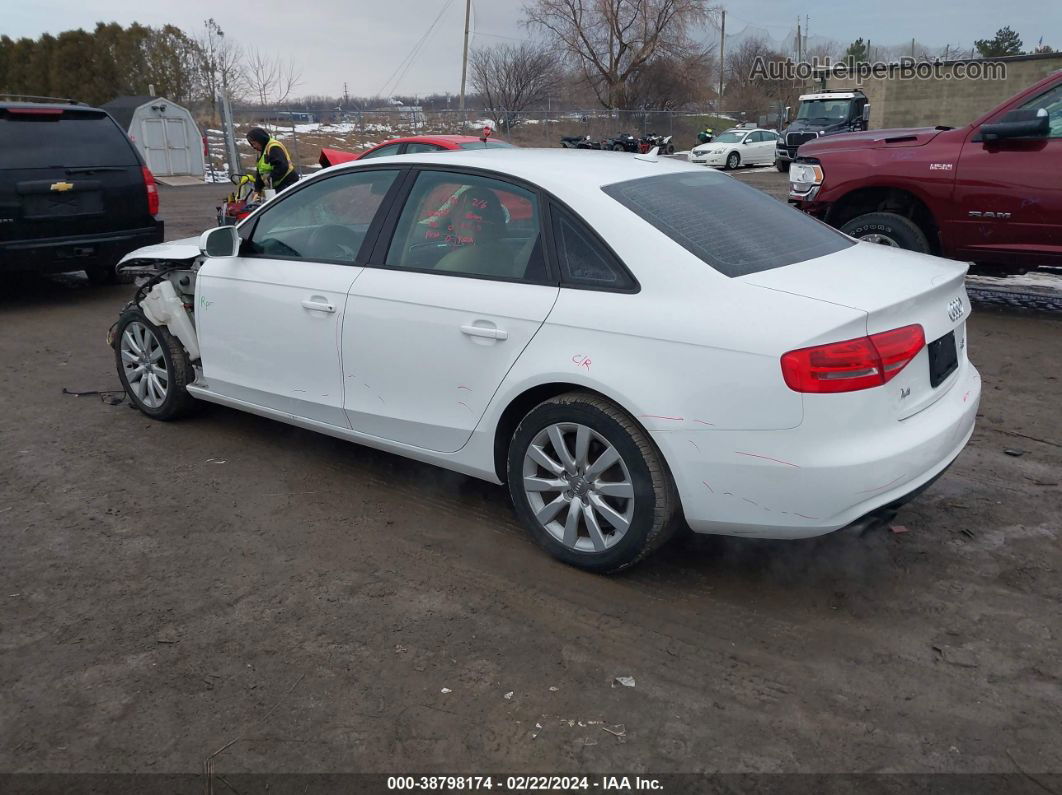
[(733, 227), (72, 139)]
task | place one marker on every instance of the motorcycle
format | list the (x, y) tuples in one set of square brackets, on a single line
[(662, 142)]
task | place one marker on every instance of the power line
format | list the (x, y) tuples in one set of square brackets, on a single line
[(403, 66)]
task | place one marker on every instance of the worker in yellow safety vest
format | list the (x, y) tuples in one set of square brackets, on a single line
[(274, 167)]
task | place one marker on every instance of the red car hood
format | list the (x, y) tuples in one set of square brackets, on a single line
[(872, 139), (331, 157)]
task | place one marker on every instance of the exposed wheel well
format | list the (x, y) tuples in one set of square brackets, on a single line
[(886, 200), (517, 410)]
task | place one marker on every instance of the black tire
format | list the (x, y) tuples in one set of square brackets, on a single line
[(733, 160), (670, 149), (899, 231), (656, 514), (782, 165), (619, 148), (177, 402)]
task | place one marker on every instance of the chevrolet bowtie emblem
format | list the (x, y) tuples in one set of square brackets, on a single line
[(62, 187)]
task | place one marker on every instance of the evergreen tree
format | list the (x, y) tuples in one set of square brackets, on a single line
[(1005, 42)]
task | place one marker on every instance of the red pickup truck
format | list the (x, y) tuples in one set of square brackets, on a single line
[(989, 192)]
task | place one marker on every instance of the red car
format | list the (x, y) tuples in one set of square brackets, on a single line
[(416, 143), (989, 192)]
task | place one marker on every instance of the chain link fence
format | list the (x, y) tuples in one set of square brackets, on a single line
[(305, 133)]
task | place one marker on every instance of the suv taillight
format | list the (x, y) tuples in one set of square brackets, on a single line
[(152, 191), (851, 365)]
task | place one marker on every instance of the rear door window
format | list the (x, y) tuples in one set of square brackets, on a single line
[(732, 227), (71, 139)]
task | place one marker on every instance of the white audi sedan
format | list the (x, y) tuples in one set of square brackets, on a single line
[(735, 148), (631, 344)]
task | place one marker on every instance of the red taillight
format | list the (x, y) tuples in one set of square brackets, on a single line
[(152, 191), (853, 364)]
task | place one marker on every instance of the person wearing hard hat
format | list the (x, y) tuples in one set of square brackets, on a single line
[(274, 168)]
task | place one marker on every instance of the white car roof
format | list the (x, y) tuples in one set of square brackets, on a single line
[(556, 170)]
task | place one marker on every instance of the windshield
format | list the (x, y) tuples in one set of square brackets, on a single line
[(825, 109), (732, 227), (729, 138), (485, 145)]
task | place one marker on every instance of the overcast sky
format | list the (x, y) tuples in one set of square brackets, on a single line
[(364, 42)]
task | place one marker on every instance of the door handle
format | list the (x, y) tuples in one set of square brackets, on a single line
[(318, 306), (489, 332)]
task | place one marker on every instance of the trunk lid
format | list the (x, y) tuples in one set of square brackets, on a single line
[(894, 288)]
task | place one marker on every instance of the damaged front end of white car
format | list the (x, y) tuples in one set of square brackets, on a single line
[(155, 343)]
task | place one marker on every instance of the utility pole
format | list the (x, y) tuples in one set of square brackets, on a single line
[(807, 28), (464, 58), (230, 133), (799, 43), (722, 63)]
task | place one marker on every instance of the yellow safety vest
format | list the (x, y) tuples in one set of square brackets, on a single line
[(266, 170)]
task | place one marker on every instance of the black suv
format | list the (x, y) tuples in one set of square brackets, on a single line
[(74, 193)]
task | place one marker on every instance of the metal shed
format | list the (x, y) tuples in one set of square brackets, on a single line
[(164, 132)]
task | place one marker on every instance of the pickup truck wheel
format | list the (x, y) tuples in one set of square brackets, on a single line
[(733, 160), (781, 165), (153, 367), (888, 229), (589, 483)]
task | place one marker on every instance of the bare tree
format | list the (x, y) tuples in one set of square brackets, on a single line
[(612, 40), (220, 63), (511, 78), (667, 83), (746, 88), (270, 79)]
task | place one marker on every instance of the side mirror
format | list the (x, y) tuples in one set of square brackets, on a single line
[(866, 113), (224, 241), (787, 110), (1018, 124)]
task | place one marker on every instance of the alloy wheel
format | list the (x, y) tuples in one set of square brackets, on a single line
[(578, 486), (883, 240), (144, 365)]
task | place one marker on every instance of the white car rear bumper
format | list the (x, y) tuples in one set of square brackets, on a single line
[(803, 482)]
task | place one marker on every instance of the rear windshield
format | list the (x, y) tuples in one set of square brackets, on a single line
[(485, 145), (734, 228), (69, 140)]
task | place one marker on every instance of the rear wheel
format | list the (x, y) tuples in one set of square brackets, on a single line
[(589, 484), (619, 148), (153, 366), (888, 229), (733, 160)]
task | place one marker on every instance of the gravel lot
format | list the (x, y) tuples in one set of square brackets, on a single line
[(169, 588)]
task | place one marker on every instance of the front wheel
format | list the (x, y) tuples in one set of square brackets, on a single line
[(619, 148), (153, 367), (589, 484), (782, 165), (888, 229), (733, 160)]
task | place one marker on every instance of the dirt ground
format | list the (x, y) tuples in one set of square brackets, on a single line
[(305, 604)]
